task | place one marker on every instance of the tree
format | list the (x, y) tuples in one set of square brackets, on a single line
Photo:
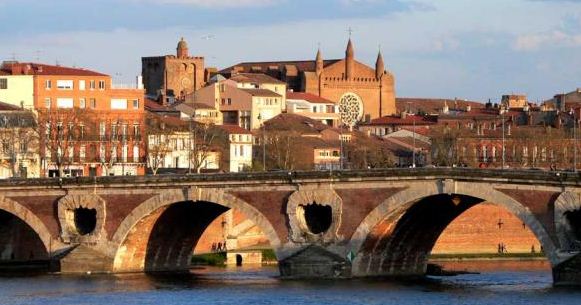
[(159, 137), (207, 139), (59, 132), (19, 138)]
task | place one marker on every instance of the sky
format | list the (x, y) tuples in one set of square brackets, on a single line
[(470, 49)]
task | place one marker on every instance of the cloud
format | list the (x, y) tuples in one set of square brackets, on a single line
[(217, 3), (534, 42)]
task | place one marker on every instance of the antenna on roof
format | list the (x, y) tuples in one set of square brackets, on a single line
[(56, 62), (13, 56), (37, 53)]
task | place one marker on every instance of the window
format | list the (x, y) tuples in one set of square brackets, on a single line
[(82, 85), (93, 103), (3, 83), (82, 131), (64, 84), (82, 153), (48, 84), (229, 101), (47, 102), (82, 103), (64, 103), (113, 153), (223, 101), (92, 85), (135, 153), (135, 104), (241, 150), (101, 85), (124, 153), (102, 152), (118, 103), (102, 130), (136, 130)]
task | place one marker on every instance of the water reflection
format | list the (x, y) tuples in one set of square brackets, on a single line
[(261, 286)]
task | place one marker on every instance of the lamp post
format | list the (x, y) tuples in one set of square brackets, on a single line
[(414, 144), (503, 139), (263, 142)]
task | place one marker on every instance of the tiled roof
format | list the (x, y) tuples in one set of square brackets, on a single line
[(301, 65), (296, 123), (8, 107), (152, 105), (234, 129), (43, 69), (311, 98), (258, 78), (261, 92), (397, 120), (432, 105)]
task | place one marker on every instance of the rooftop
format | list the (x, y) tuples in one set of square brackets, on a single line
[(311, 98), (28, 68), (261, 92), (258, 78), (234, 129)]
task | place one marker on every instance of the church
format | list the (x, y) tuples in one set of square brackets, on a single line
[(363, 93), (173, 75)]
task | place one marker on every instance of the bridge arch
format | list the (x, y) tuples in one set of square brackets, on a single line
[(24, 215), (379, 242), (133, 239)]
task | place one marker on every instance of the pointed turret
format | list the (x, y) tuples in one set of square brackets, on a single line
[(379, 66), (319, 62), (349, 59)]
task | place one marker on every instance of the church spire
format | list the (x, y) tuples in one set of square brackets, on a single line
[(349, 59), (319, 62), (379, 66)]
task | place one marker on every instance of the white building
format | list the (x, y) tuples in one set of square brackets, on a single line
[(240, 147), (314, 107), (17, 90)]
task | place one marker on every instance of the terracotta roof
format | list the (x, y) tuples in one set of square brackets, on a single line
[(258, 78), (8, 107), (23, 68), (409, 120), (433, 105), (301, 65), (295, 122), (152, 105), (315, 142), (234, 129), (261, 92), (311, 98)]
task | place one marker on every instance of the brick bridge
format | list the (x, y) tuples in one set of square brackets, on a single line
[(320, 224)]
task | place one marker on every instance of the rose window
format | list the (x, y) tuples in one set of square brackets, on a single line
[(350, 109)]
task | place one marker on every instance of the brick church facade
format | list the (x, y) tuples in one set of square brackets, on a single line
[(363, 93)]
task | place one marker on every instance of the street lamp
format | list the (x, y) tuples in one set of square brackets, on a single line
[(263, 142), (503, 139)]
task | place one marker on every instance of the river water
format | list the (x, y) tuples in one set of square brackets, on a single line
[(512, 285)]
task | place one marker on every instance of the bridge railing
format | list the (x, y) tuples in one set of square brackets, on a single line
[(516, 176)]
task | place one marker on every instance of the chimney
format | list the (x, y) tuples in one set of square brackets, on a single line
[(403, 115), (139, 81), (468, 108)]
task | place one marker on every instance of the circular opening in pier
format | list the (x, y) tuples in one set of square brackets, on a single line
[(574, 219), (318, 217), (85, 220)]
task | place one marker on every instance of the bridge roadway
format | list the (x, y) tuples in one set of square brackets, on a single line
[(381, 222)]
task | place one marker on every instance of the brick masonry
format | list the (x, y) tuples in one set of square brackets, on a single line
[(153, 223)]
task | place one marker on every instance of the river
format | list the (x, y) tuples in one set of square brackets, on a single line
[(515, 284)]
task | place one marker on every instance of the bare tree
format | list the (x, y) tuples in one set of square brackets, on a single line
[(159, 137), (206, 139), (19, 139), (59, 132)]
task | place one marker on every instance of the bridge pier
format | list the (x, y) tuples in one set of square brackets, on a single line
[(568, 273), (315, 262)]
